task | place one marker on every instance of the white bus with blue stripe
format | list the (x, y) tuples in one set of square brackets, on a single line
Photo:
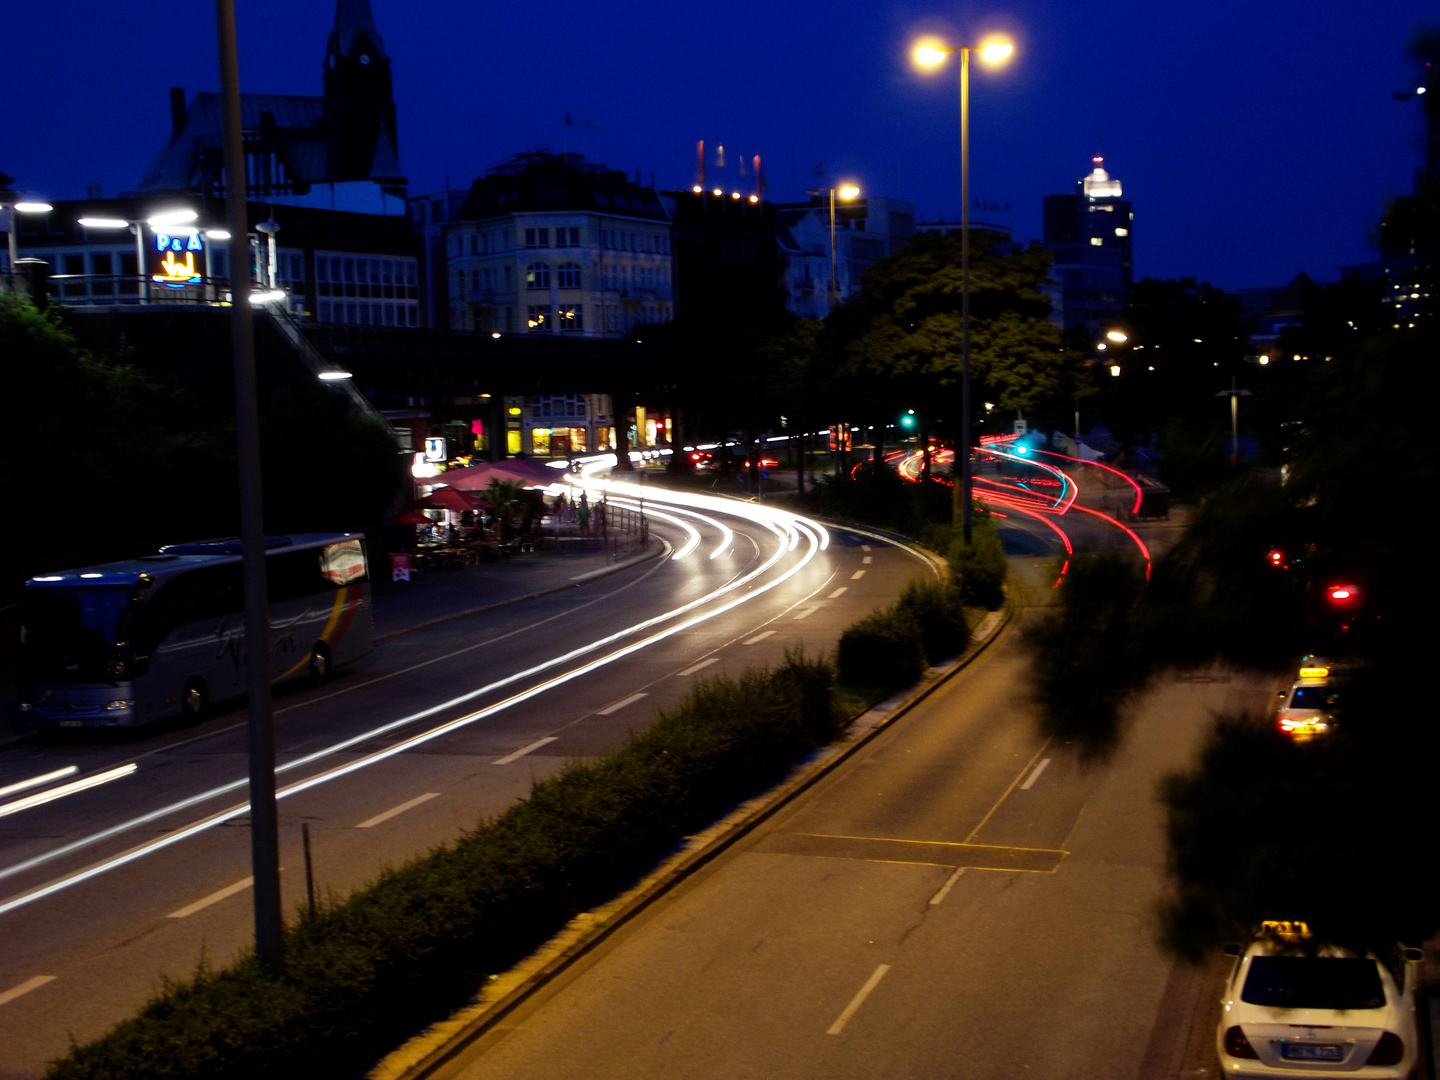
[(137, 641)]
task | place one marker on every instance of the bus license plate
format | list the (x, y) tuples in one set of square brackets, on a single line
[(1312, 1052), (72, 723)]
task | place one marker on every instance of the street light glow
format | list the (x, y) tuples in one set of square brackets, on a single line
[(1115, 370), (167, 218), (928, 55), (217, 234), (334, 376), (1118, 336), (104, 223), (32, 207), (993, 52), (848, 191)]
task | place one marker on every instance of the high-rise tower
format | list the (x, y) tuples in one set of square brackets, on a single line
[(1089, 233)]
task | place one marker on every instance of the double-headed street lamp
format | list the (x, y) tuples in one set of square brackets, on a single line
[(172, 222), (930, 54), (846, 193)]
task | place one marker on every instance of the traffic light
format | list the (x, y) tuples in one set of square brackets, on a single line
[(907, 420)]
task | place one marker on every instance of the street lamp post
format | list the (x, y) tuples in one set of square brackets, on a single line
[(16, 208), (929, 54), (846, 193), (1234, 395)]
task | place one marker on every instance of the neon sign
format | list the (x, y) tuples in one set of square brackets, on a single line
[(174, 259)]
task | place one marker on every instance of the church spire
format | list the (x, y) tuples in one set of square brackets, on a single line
[(354, 36)]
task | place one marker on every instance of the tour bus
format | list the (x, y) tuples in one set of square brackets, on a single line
[(136, 641)]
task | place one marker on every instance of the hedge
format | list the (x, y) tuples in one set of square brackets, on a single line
[(367, 972), (892, 647)]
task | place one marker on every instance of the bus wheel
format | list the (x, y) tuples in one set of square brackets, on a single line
[(319, 664), (194, 701)]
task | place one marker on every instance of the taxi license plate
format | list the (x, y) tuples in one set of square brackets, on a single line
[(1312, 1052)]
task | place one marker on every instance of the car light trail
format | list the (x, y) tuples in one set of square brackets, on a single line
[(63, 790), (1128, 531), (1138, 492), (783, 524), (727, 535), (39, 781)]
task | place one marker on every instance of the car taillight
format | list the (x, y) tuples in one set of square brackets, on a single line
[(1390, 1050), (1237, 1045)]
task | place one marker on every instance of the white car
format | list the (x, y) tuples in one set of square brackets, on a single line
[(1287, 1014), (1311, 706)]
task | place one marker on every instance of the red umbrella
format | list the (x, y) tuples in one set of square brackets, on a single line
[(410, 517), (529, 473), (448, 498)]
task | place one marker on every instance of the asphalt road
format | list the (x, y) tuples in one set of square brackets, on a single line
[(102, 891), (962, 898)]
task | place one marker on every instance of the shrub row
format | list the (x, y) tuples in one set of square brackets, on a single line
[(891, 648), (365, 973)]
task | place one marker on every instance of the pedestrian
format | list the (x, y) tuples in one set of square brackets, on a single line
[(582, 512)]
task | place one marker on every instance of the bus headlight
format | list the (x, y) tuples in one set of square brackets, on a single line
[(117, 705)]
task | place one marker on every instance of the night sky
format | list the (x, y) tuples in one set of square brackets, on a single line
[(1256, 139)]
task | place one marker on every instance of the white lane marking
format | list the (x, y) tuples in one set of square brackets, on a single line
[(865, 547), (945, 889), (25, 987), (857, 575), (66, 789), (841, 591), (806, 612), (536, 745), (620, 704), (759, 637), (1034, 774), (858, 1000), (701, 666), (213, 898), (378, 819), (38, 781), (868, 559)]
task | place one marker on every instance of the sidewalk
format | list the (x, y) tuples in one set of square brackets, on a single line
[(401, 607)]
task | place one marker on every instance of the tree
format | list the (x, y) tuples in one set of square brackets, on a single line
[(900, 337)]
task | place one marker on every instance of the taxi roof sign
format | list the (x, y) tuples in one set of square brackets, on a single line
[(1287, 930)]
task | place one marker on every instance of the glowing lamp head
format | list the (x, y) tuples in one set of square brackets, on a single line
[(996, 52), (929, 54), (171, 217), (1115, 370), (32, 207), (334, 376), (717, 193), (697, 189), (754, 198), (104, 223), (217, 234), (1117, 336), (735, 195), (848, 192)]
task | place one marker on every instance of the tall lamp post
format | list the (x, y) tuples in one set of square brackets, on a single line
[(846, 193), (930, 54)]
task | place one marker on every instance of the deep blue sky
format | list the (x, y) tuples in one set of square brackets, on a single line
[(1257, 139)]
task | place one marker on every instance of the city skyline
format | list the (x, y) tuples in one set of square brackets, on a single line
[(1249, 158)]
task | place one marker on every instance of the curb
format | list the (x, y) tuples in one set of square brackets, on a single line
[(442, 1042), (581, 579)]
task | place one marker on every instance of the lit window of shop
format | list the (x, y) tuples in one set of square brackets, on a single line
[(571, 318)]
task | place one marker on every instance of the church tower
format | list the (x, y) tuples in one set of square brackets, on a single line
[(359, 103)]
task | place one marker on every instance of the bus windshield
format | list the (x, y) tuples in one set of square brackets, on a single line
[(69, 635)]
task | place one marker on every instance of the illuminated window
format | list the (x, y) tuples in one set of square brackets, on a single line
[(537, 238), (537, 317), (1096, 241), (568, 276), (571, 318), (537, 276), (1122, 232)]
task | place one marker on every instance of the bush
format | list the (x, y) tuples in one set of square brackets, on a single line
[(980, 568), (367, 972), (884, 650), (939, 612)]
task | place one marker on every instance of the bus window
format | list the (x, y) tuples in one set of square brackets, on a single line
[(207, 592), (291, 575), (70, 637)]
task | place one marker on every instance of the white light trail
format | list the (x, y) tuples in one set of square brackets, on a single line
[(39, 781), (783, 524), (65, 789)]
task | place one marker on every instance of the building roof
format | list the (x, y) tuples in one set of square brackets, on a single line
[(541, 181), (355, 24)]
